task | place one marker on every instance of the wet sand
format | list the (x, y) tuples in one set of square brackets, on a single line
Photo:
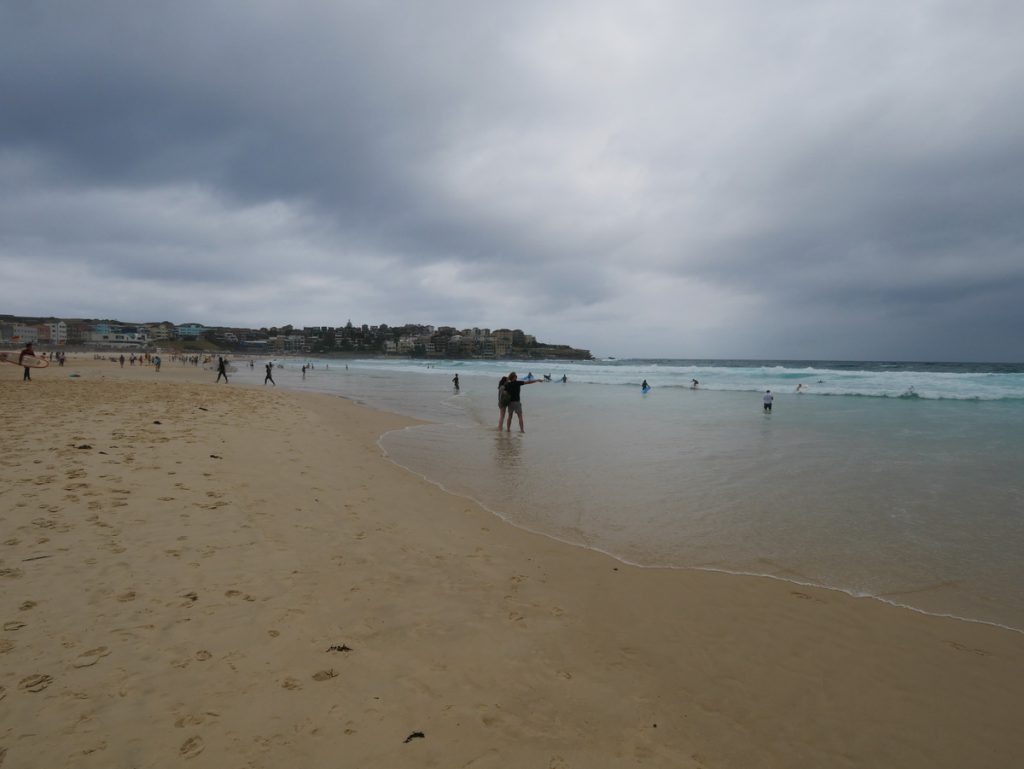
[(228, 576)]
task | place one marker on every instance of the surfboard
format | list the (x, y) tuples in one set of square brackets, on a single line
[(645, 390), (31, 361)]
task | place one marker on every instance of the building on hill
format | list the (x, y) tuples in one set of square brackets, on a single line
[(191, 330)]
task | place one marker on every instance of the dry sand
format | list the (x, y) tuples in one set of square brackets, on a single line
[(181, 561)]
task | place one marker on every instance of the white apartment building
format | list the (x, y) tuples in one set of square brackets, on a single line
[(58, 332)]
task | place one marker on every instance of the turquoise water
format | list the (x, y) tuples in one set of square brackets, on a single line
[(902, 482)]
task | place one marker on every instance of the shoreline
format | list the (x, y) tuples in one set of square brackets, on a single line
[(635, 565), (503, 647)]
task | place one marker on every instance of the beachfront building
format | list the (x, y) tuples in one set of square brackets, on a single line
[(289, 343), (24, 333), (57, 332), (111, 335), (191, 330), (502, 339), (160, 332), (78, 333)]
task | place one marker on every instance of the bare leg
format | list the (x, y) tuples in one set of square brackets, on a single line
[(501, 417), (521, 428)]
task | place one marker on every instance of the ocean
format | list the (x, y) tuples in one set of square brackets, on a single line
[(902, 482)]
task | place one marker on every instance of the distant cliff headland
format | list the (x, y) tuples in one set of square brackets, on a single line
[(410, 340)]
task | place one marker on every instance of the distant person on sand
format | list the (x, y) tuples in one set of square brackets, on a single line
[(269, 377), (515, 406), (30, 353), (157, 362), (502, 400), (767, 401), (455, 381), (222, 370), (122, 361)]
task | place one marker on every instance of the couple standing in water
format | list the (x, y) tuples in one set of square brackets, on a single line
[(508, 400)]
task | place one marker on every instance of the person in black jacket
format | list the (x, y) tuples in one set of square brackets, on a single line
[(515, 406)]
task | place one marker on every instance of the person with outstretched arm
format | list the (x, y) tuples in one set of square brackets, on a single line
[(515, 406)]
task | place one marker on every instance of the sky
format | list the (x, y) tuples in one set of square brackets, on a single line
[(786, 179)]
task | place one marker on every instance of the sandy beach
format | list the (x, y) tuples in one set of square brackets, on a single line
[(229, 576)]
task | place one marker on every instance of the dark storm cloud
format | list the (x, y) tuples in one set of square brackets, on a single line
[(663, 179)]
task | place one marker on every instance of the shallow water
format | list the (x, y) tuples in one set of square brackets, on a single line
[(918, 500)]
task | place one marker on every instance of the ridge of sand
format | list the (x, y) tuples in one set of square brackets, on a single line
[(234, 577)]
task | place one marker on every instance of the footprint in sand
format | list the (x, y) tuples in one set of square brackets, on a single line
[(125, 597), (961, 648), (6, 645), (12, 626), (202, 655), (35, 683), (191, 747), (325, 675), (26, 605), (11, 573), (91, 657)]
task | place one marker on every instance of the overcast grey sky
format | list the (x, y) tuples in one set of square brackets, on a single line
[(654, 178)]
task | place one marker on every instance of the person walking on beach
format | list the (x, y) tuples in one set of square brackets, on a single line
[(455, 381), (269, 377), (515, 406), (502, 400), (28, 352), (222, 370), (767, 401)]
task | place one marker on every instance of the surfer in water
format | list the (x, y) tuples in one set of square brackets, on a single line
[(455, 381), (800, 388), (29, 352), (767, 401), (694, 384), (644, 387)]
